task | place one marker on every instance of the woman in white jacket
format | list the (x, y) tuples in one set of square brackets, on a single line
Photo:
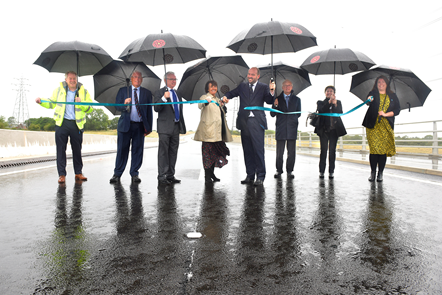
[(213, 132)]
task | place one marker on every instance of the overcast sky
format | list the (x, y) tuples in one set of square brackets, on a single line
[(395, 33)]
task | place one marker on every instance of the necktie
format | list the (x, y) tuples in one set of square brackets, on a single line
[(250, 89), (136, 102), (287, 100), (175, 106)]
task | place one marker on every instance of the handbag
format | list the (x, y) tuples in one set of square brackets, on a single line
[(314, 120)]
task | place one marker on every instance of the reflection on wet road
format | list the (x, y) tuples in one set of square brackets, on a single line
[(301, 236)]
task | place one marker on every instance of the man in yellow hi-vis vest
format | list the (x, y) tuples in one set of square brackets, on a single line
[(69, 122)]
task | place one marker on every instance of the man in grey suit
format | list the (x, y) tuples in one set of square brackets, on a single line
[(170, 124)]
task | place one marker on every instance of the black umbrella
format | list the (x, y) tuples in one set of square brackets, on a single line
[(85, 58), (273, 37), (410, 90), (159, 49), (117, 74), (282, 72), (336, 61), (227, 71)]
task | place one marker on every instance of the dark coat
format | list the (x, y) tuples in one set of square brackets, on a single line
[(146, 111), (373, 109), (166, 114), (287, 125), (260, 95), (324, 107)]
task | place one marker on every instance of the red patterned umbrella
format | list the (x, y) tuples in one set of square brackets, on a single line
[(272, 37), (337, 61), (167, 48)]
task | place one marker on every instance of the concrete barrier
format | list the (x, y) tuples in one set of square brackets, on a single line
[(24, 143)]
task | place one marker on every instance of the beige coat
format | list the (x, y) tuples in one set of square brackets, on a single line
[(210, 128)]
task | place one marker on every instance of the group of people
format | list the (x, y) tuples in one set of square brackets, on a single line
[(136, 122)]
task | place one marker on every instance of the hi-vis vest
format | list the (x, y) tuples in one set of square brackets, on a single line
[(59, 95)]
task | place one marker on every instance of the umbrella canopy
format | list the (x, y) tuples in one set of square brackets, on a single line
[(282, 72), (227, 71), (85, 58), (117, 74), (162, 49), (410, 90), (336, 61), (272, 37)]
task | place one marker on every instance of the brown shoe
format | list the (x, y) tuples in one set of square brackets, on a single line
[(80, 177), (62, 179)]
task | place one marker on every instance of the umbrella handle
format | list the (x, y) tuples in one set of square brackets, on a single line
[(127, 88)]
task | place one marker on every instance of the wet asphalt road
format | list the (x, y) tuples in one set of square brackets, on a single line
[(301, 236)]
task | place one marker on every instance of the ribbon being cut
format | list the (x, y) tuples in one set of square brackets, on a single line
[(122, 104), (319, 114)]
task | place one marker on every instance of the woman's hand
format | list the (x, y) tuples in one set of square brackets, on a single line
[(370, 98), (333, 100), (209, 100), (382, 114)]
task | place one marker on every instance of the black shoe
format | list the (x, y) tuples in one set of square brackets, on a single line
[(278, 175), (372, 176), (331, 175), (207, 176), (136, 179), (212, 174), (115, 179), (258, 182), (290, 175), (163, 182), (247, 181), (173, 180), (321, 175), (380, 176)]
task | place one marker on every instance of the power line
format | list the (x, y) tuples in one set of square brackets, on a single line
[(431, 22), (21, 113)]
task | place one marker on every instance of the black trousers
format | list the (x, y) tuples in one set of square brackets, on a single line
[(68, 129), (291, 155), (328, 142), (252, 141)]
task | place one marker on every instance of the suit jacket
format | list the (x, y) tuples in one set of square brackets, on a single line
[(373, 109), (324, 107), (166, 114), (260, 95), (146, 111), (287, 125)]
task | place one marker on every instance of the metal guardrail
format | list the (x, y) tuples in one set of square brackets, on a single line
[(431, 149)]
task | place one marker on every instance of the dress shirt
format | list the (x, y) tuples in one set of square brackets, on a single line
[(133, 112), (253, 87), (171, 99), (69, 112)]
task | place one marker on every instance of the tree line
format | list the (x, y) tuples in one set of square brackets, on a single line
[(96, 120)]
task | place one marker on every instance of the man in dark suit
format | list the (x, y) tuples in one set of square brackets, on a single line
[(252, 124), (286, 128), (170, 124), (134, 124)]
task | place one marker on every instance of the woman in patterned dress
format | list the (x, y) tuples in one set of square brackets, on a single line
[(379, 123), (213, 132)]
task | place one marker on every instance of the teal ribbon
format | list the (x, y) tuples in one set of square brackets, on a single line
[(125, 105), (319, 114)]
